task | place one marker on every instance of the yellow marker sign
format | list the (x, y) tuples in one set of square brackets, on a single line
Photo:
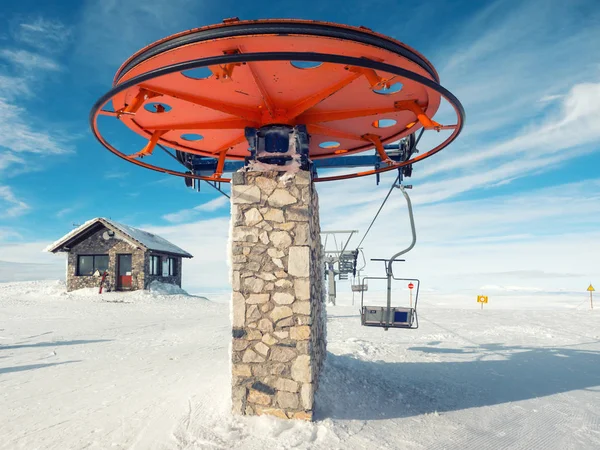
[(591, 288), (482, 299)]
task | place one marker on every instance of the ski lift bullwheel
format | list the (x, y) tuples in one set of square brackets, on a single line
[(198, 91)]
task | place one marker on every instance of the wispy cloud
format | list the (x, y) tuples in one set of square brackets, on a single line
[(10, 205), (11, 86), (213, 204), (550, 98), (504, 64), (20, 261), (7, 159), (116, 175), (572, 126), (63, 212), (193, 213), (508, 53), (8, 234), (207, 241), (21, 134), (469, 243), (17, 134), (44, 34), (29, 60)]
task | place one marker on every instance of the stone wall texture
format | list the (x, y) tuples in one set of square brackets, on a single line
[(97, 245), (278, 346), (140, 263)]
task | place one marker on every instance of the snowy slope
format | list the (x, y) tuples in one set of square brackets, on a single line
[(151, 371)]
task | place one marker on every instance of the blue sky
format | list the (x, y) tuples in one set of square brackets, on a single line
[(513, 204)]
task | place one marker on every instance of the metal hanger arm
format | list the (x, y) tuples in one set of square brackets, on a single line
[(412, 227)]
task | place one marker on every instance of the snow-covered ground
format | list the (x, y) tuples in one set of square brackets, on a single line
[(151, 370)]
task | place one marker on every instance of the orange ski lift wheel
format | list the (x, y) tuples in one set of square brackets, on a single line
[(208, 92)]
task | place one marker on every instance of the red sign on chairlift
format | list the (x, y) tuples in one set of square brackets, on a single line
[(410, 285)]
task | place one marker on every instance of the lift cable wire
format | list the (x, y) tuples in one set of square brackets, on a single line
[(378, 211), (388, 194)]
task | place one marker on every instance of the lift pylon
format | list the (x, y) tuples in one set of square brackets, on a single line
[(339, 262)]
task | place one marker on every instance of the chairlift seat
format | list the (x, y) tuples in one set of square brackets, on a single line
[(376, 316)]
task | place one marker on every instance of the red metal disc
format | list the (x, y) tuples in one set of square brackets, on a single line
[(346, 108)]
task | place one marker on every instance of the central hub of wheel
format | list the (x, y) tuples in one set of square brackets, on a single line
[(279, 145)]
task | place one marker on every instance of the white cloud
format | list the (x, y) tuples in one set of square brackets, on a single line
[(113, 175), (18, 135), (21, 137), (550, 98), (63, 212), (7, 159), (503, 66), (190, 214), (8, 234), (510, 52), (22, 261), (213, 204), (500, 63), (573, 126), (29, 60), (10, 205), (11, 87), (540, 241), (11, 271), (44, 34), (466, 244), (21, 134), (207, 241)]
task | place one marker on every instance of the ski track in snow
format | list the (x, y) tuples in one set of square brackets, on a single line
[(151, 371)]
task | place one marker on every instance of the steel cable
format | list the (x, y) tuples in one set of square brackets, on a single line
[(388, 195)]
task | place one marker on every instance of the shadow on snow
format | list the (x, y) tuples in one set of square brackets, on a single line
[(54, 344), (355, 389), (4, 370)]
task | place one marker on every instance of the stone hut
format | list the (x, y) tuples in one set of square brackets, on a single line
[(132, 258)]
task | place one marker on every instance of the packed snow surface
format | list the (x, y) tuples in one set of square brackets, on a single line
[(147, 370)]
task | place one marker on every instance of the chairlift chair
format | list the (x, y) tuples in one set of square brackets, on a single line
[(392, 316), (347, 262), (357, 284)]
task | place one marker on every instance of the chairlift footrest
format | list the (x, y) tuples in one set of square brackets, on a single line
[(359, 287), (380, 316)]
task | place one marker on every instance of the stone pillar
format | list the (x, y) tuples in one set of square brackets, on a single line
[(278, 294)]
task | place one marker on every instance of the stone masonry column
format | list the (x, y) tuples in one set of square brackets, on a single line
[(278, 294)]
